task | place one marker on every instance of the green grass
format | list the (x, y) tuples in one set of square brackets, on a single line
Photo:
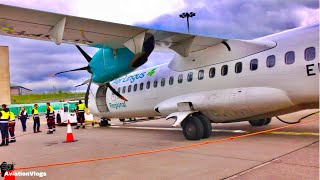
[(38, 98)]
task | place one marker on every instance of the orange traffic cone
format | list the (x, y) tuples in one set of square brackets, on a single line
[(10, 175), (69, 134)]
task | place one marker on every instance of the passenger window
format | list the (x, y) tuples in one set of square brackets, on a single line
[(271, 61), (254, 64), (129, 88), (289, 57), (190, 76), (155, 83), (141, 86), (124, 89), (238, 67), (310, 54), (200, 74), (212, 72), (135, 87), (180, 78), (148, 85), (119, 89), (171, 80), (163, 81), (224, 70)]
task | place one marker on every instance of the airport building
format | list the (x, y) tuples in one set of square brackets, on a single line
[(19, 90)]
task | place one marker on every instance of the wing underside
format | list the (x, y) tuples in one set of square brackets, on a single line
[(59, 28)]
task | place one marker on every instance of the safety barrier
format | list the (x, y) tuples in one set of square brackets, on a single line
[(15, 108)]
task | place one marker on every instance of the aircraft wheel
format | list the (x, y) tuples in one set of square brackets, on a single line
[(258, 122), (192, 128), (121, 119), (104, 123), (207, 127), (58, 119), (268, 120)]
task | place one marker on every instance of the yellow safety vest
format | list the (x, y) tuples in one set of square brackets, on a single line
[(12, 118), (81, 107), (5, 117), (25, 111), (51, 111), (35, 112)]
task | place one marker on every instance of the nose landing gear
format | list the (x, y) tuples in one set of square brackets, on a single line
[(104, 122)]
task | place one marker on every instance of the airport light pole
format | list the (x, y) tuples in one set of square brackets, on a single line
[(187, 15)]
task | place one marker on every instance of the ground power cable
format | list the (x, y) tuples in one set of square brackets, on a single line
[(298, 120)]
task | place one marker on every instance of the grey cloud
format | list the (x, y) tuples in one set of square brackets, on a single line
[(238, 19)]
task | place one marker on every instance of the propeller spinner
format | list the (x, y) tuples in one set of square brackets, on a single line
[(88, 58)]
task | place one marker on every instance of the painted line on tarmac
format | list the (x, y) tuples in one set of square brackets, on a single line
[(201, 143), (217, 130)]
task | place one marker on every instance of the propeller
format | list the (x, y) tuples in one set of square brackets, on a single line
[(85, 82), (87, 93), (88, 58), (116, 92), (78, 69)]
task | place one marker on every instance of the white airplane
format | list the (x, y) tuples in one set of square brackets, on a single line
[(209, 80)]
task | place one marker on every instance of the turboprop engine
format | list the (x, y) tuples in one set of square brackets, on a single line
[(108, 64)]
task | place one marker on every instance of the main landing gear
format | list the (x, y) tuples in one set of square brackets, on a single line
[(196, 127), (260, 122)]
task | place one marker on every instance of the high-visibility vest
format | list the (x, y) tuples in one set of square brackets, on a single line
[(4, 117), (12, 118), (25, 112), (51, 111), (81, 107), (35, 112)]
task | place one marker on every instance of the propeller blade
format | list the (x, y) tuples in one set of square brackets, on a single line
[(85, 82), (87, 93), (88, 58), (79, 69), (116, 92)]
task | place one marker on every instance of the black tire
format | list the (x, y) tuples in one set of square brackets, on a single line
[(58, 119), (192, 128), (121, 119), (268, 120), (207, 127), (104, 123), (258, 122)]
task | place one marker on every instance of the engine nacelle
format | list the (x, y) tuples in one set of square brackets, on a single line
[(108, 64)]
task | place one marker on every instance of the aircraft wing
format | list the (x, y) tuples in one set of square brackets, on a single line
[(40, 25)]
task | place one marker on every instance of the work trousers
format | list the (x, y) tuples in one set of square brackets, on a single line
[(23, 123), (50, 123), (36, 124), (11, 129), (80, 119), (4, 133)]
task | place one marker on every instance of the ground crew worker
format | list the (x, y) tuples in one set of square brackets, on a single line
[(23, 116), (50, 119), (36, 119), (4, 119), (11, 128), (80, 115)]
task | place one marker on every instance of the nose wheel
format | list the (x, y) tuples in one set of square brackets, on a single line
[(104, 122)]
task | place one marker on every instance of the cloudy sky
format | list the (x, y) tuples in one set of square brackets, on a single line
[(31, 61)]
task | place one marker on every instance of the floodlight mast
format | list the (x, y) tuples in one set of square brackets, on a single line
[(187, 15)]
